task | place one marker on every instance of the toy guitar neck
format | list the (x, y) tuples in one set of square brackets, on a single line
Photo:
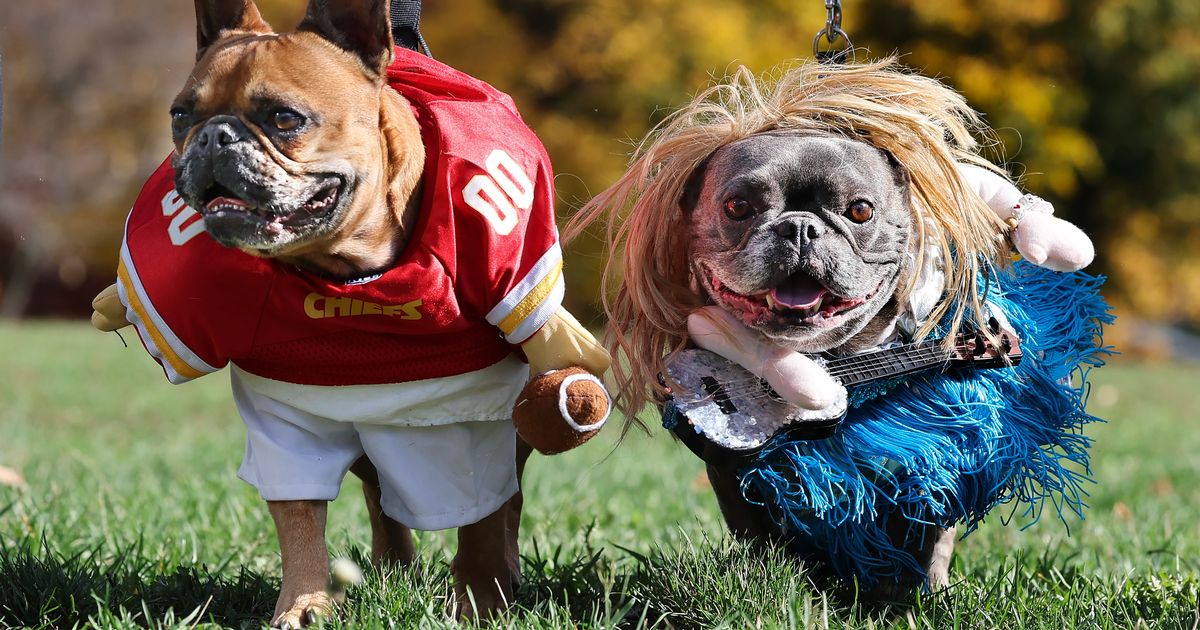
[(726, 409), (970, 349)]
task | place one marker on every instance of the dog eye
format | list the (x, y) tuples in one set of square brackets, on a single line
[(738, 209), (286, 120), (860, 211), (181, 120)]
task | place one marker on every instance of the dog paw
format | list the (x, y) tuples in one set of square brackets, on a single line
[(304, 610), (479, 604)]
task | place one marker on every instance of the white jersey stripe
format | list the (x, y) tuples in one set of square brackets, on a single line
[(544, 266), (540, 315), (185, 353), (148, 339)]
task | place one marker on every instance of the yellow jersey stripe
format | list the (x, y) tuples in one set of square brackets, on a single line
[(180, 366), (516, 294), (540, 315), (532, 300)]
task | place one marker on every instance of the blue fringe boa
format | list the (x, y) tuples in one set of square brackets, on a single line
[(945, 448)]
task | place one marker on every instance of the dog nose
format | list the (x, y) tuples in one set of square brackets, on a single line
[(222, 132), (798, 230)]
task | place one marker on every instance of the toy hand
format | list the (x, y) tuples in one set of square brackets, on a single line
[(1040, 237), (108, 311), (1048, 241), (564, 404), (795, 377)]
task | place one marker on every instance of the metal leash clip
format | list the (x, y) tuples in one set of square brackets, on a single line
[(832, 32)]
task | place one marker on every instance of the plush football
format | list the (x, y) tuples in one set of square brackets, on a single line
[(561, 409)]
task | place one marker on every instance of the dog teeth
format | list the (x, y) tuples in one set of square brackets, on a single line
[(227, 206), (771, 302)]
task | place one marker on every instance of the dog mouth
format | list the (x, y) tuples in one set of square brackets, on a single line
[(221, 203), (799, 300)]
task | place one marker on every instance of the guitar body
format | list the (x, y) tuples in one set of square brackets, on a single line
[(723, 413)]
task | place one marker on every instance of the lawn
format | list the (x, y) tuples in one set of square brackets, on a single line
[(132, 516)]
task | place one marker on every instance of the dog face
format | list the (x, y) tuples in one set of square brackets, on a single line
[(803, 237), (277, 137)]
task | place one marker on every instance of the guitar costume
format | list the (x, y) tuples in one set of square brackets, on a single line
[(324, 369), (944, 448)]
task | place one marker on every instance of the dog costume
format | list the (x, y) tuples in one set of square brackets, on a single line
[(944, 448), (424, 352), (928, 449)]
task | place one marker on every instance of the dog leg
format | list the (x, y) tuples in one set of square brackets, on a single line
[(391, 541), (939, 561), (482, 578), (512, 550), (931, 546), (487, 567), (746, 522), (300, 526)]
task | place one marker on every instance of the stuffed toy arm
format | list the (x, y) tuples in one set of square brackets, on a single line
[(565, 404), (561, 407), (796, 378), (1038, 235), (563, 342)]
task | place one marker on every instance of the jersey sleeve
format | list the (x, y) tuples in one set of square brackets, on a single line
[(527, 285), (166, 283), (508, 209)]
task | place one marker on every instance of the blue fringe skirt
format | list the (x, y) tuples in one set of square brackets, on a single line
[(944, 448)]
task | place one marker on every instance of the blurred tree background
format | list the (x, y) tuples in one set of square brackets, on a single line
[(1097, 103)]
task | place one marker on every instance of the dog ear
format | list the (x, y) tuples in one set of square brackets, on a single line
[(691, 188), (899, 171), (362, 27), (214, 17)]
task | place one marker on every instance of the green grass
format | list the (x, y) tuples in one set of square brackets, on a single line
[(133, 516)]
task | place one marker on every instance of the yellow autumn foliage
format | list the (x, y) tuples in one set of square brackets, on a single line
[(1096, 103)]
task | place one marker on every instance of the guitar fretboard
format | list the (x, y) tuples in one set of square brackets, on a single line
[(888, 363)]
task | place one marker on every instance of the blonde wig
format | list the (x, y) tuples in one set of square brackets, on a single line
[(927, 126)]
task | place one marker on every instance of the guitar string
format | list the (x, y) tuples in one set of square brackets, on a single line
[(851, 367), (930, 351), (876, 363), (932, 354), (853, 363)]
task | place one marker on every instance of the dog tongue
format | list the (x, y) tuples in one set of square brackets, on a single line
[(800, 290), (227, 201)]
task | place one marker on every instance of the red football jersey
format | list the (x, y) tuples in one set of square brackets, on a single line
[(482, 269)]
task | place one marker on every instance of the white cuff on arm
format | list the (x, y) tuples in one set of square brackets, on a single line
[(531, 303)]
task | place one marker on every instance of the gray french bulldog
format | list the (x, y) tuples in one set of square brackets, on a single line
[(803, 237), (806, 239)]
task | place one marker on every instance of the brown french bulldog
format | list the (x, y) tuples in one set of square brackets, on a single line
[(293, 148)]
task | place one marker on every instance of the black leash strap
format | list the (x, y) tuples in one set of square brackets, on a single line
[(832, 33), (1, 93), (406, 25)]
